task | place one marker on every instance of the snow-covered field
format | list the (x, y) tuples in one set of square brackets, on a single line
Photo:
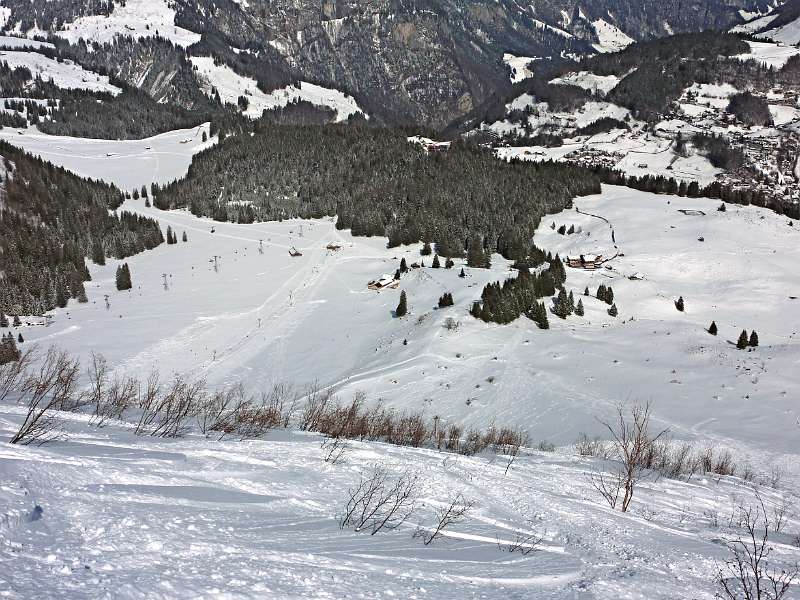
[(230, 86), (129, 164), (131, 517)]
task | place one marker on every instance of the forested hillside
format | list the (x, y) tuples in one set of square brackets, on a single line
[(378, 184), (50, 222)]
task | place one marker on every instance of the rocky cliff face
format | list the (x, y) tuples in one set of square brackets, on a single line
[(421, 61)]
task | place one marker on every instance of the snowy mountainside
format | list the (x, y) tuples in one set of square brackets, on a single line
[(399, 64)]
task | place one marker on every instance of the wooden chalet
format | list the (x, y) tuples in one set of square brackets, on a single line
[(589, 262)]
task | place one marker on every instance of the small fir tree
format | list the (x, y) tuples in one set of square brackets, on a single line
[(712, 329), (435, 263), (743, 340), (402, 306), (679, 304), (579, 309), (753, 339), (613, 310)]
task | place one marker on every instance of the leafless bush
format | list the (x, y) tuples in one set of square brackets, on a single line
[(379, 502), (452, 513), (166, 414), (333, 450), (317, 401), (49, 388), (632, 443), (451, 324), (12, 374), (109, 398), (591, 447), (523, 542), (748, 574)]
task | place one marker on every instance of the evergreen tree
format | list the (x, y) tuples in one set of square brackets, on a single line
[(185, 238), (20, 339), (753, 339), (562, 308), (743, 340), (476, 257), (613, 310), (601, 292), (426, 249), (17, 322), (402, 307), (403, 266), (123, 278), (586, 291), (3, 320), (446, 300), (449, 264), (679, 304), (579, 309), (98, 254), (571, 300), (82, 294), (712, 329), (609, 295), (462, 274), (435, 264), (8, 350), (397, 275)]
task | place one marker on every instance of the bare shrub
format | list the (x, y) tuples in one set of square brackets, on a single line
[(631, 444), (166, 414), (48, 388), (12, 373), (333, 450), (748, 574), (523, 542), (109, 398), (450, 514), (379, 502)]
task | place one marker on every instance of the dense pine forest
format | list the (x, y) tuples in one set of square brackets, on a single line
[(50, 222), (378, 184)]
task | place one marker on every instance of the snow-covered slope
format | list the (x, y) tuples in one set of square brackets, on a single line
[(230, 86), (128, 164), (611, 38), (131, 18), (269, 317), (67, 74), (134, 517)]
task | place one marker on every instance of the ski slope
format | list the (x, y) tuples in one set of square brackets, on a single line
[(130, 517), (127, 517), (265, 318)]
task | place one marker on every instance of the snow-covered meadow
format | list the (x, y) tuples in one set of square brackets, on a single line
[(132, 517)]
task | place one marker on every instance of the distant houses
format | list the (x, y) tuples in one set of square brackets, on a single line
[(589, 262)]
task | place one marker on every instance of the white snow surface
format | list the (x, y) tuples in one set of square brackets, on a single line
[(231, 86), (7, 41), (589, 81), (130, 517), (519, 66), (769, 54), (785, 34), (133, 18), (67, 74), (611, 38), (128, 164)]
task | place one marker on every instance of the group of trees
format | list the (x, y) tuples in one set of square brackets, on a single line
[(8, 349), (506, 302), (50, 222), (744, 341), (378, 184)]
